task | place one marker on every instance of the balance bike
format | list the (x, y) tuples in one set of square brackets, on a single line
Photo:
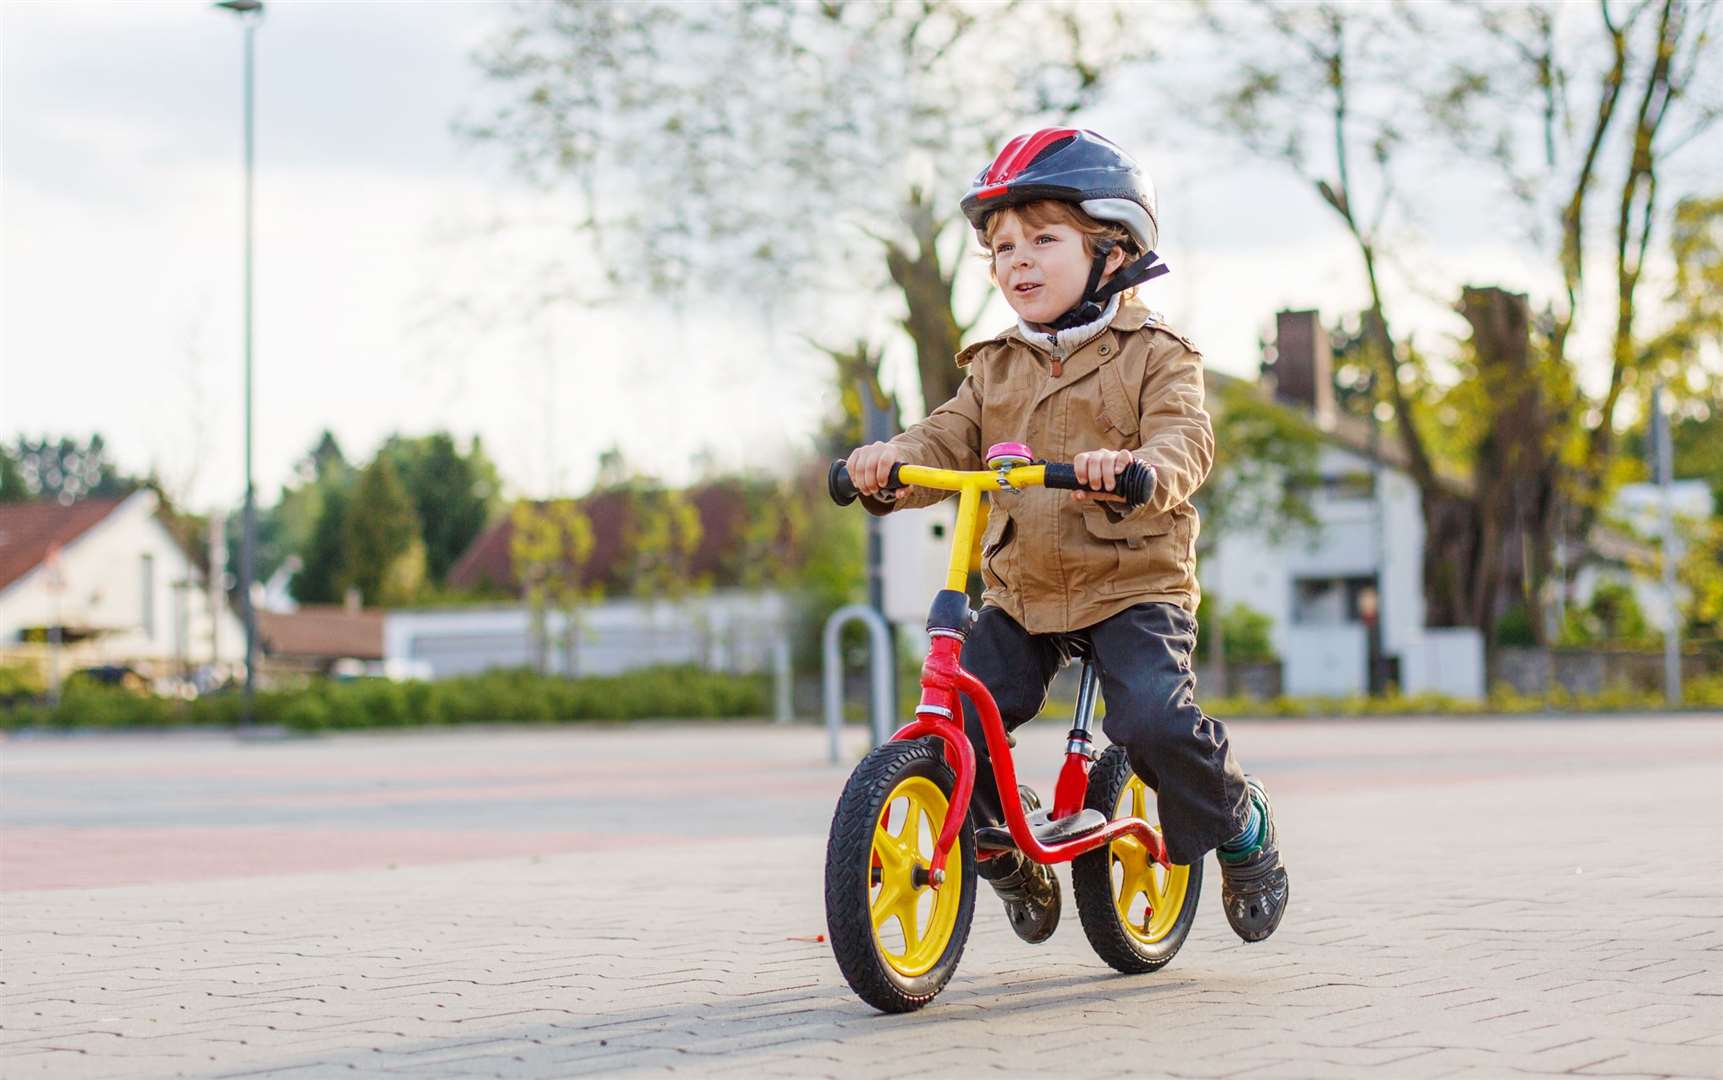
[(900, 861)]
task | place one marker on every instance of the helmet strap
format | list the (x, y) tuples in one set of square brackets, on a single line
[(1096, 295)]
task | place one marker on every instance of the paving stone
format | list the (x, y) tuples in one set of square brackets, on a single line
[(1464, 949)]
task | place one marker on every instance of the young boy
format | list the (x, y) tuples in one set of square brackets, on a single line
[(1090, 376)]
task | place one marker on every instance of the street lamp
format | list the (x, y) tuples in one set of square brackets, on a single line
[(250, 13)]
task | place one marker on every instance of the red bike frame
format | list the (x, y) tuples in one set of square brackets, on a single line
[(944, 682)]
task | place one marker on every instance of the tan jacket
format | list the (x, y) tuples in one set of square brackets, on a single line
[(1054, 563)]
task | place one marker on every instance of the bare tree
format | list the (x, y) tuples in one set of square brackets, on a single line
[(1606, 135), (1337, 92), (768, 154)]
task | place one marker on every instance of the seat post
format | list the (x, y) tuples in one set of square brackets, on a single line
[(1083, 720), (1073, 785)]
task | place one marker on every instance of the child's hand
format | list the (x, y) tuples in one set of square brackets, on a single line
[(870, 469), (1096, 469)]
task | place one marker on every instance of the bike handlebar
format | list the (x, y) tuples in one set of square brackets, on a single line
[(1133, 486)]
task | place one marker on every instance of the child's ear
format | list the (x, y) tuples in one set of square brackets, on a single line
[(1116, 258)]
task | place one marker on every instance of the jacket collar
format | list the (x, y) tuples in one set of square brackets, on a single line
[(1132, 315), (1062, 343)]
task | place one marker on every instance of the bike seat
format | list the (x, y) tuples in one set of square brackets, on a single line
[(1044, 829)]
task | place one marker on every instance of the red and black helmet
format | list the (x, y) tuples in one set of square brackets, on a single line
[(1073, 166)]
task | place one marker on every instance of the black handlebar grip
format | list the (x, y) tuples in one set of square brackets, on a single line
[(838, 484), (1063, 477), (844, 491), (1134, 485)]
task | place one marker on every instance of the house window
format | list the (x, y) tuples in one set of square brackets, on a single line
[(1359, 485), (1318, 601), (1351, 485), (147, 605)]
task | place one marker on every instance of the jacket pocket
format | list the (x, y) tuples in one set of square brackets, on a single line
[(1118, 411), (1143, 554)]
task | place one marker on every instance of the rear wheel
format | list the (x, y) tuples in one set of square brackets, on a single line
[(896, 938), (1135, 912)]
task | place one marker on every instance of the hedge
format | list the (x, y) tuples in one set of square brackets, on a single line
[(1701, 693), (498, 697)]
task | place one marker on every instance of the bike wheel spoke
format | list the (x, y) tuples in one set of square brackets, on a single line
[(906, 918), (889, 851), (886, 905)]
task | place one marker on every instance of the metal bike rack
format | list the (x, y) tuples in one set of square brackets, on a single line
[(880, 660)]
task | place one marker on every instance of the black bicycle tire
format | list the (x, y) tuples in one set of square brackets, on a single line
[(849, 925), (1092, 886)]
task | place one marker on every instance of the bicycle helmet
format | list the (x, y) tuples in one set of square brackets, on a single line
[(1081, 167)]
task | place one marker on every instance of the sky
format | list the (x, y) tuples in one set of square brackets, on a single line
[(120, 203)]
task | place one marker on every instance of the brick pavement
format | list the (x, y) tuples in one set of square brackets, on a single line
[(1554, 905)]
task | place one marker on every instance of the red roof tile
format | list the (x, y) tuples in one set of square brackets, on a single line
[(29, 530)]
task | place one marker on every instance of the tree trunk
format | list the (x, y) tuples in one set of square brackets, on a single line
[(926, 287), (1515, 469)]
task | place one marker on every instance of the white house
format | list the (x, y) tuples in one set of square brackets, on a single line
[(1348, 594), (115, 584)]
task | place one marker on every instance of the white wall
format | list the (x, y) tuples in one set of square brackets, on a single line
[(729, 630), (1325, 660), (1449, 660), (104, 578), (1403, 569), (915, 547)]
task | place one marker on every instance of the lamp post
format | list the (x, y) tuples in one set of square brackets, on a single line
[(250, 13)]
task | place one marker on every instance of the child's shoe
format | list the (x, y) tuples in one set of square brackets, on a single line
[(1253, 886), (1029, 889)]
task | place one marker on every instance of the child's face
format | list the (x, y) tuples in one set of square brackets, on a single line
[(1042, 269)]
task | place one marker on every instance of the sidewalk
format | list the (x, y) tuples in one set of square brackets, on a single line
[(1468, 900)]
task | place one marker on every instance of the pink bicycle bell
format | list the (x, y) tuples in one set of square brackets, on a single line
[(1008, 455)]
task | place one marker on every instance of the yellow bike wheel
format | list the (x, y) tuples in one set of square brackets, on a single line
[(896, 938), (1135, 913)]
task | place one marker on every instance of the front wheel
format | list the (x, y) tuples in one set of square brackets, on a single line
[(1136, 913), (897, 939)]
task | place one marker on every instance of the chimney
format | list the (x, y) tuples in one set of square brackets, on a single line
[(1303, 365), (351, 600)]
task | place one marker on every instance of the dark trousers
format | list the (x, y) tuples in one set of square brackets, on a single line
[(1143, 657)]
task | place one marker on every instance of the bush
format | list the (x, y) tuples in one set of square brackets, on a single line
[(1703, 692), (1515, 628), (493, 697), (18, 681), (1247, 633)]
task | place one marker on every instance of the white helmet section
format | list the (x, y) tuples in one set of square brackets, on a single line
[(1127, 212)]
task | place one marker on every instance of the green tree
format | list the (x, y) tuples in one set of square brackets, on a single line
[(1264, 468), (382, 554), (323, 568), (65, 470), (454, 494), (1701, 577), (12, 485), (549, 545), (662, 534), (290, 526), (1242, 634), (767, 548)]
